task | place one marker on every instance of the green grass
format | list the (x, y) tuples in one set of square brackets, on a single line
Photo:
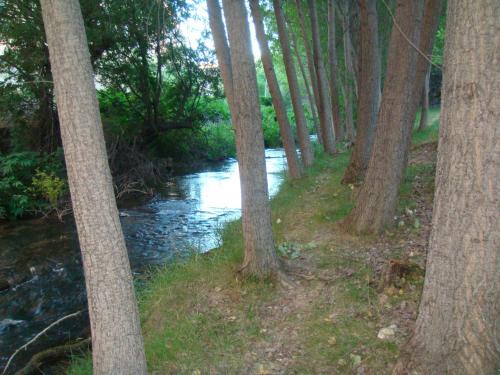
[(199, 315)]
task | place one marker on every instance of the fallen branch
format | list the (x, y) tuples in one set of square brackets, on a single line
[(52, 354), (37, 336)]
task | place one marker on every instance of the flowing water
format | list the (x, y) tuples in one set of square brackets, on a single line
[(41, 277)]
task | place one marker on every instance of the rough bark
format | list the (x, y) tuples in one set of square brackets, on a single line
[(369, 96), (377, 198), (260, 259), (294, 167), (310, 96), (333, 78), (325, 109), (302, 132), (424, 111), (116, 333), (457, 326)]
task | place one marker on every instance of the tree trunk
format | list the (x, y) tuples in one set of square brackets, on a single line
[(310, 62), (350, 76), (260, 260), (116, 333), (221, 48), (333, 79), (325, 109), (376, 201), (432, 11), (457, 327), (369, 97), (310, 96), (294, 167), (302, 132), (424, 114)]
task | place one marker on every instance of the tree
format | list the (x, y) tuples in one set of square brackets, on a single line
[(424, 112), (377, 198), (333, 79), (240, 83), (457, 326), (369, 96), (310, 62), (310, 97), (294, 167), (350, 74), (291, 74), (116, 334), (325, 109)]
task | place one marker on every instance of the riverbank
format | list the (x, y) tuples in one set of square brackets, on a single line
[(198, 317)]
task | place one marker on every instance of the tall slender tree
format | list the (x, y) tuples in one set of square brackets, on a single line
[(302, 132), (310, 59), (376, 201), (369, 97), (310, 97), (350, 75), (294, 167), (241, 84), (325, 109), (333, 77), (116, 334), (424, 107), (457, 326)]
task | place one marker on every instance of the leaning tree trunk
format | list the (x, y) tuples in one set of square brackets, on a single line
[(369, 96), (333, 79), (116, 333), (457, 327), (260, 259), (221, 48), (294, 168), (302, 132), (325, 109), (424, 112), (377, 199)]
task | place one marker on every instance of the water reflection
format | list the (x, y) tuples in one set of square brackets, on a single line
[(41, 260)]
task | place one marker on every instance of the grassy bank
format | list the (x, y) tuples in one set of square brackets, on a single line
[(199, 317)]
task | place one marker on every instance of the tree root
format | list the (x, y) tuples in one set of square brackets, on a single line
[(52, 354)]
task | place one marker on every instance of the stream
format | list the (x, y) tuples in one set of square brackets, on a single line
[(41, 276)]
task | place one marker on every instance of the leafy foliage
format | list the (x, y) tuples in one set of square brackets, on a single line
[(30, 182)]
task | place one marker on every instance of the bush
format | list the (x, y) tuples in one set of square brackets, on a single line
[(30, 182)]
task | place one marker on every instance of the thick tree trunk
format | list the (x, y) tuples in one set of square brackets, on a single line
[(116, 333), (325, 109), (424, 114), (457, 327), (376, 201), (310, 96), (302, 132), (260, 260), (369, 96), (333, 79), (294, 167), (310, 62)]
